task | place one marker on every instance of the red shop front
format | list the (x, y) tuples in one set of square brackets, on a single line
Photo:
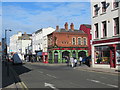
[(45, 57)]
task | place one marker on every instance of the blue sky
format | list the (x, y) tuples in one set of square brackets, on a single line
[(31, 16)]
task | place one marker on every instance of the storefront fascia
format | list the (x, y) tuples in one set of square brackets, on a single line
[(112, 52)]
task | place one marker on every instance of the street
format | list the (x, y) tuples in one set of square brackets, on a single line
[(56, 77)]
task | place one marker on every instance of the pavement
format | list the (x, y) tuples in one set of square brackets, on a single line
[(10, 80), (82, 67)]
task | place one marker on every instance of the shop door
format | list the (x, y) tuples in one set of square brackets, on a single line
[(112, 57), (56, 57)]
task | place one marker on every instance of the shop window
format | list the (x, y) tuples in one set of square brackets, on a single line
[(96, 30), (116, 26), (79, 41), (73, 41), (104, 28), (102, 55)]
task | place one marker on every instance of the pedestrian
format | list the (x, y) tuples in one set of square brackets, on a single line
[(80, 60), (75, 62), (72, 61), (67, 60)]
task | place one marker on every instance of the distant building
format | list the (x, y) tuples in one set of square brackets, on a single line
[(39, 43), (19, 43), (106, 33), (67, 42), (87, 29)]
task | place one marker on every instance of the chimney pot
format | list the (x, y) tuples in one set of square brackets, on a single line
[(66, 26), (57, 27), (72, 26)]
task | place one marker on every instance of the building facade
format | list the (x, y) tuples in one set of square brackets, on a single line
[(39, 43), (66, 42), (19, 43), (87, 29), (105, 33)]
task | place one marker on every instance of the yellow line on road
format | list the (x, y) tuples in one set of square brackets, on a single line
[(24, 87)]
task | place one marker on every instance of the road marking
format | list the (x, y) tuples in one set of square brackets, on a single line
[(102, 83), (24, 87), (115, 74), (51, 86), (40, 71), (51, 75)]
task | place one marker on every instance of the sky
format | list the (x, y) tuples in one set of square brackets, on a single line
[(31, 16)]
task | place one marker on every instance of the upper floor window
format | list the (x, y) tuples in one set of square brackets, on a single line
[(73, 41), (96, 30), (79, 41), (103, 6), (96, 8), (116, 26), (104, 28), (115, 4), (85, 41)]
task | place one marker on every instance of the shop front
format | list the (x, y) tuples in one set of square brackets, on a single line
[(59, 56), (108, 55)]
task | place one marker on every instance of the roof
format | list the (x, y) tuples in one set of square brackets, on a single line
[(64, 30), (87, 25), (38, 31)]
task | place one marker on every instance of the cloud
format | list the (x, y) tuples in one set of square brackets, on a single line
[(30, 18)]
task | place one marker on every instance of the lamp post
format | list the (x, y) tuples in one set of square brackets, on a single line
[(6, 42)]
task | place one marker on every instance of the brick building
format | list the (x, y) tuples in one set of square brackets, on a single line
[(87, 29), (67, 42)]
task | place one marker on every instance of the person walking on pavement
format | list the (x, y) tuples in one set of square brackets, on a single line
[(80, 60), (75, 62), (72, 61), (67, 60)]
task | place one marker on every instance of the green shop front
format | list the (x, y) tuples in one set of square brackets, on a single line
[(57, 55)]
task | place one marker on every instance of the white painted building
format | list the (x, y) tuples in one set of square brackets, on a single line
[(39, 39), (19, 43), (105, 33)]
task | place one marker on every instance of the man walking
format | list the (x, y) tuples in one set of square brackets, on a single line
[(80, 60), (72, 61)]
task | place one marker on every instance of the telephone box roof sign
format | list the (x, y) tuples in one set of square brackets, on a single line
[(44, 53)]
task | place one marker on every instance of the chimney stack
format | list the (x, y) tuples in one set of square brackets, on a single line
[(66, 26), (57, 27), (72, 26), (24, 32)]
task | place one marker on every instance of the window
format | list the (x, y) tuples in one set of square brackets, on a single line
[(116, 26), (96, 8), (73, 41), (103, 6), (96, 30), (85, 41), (115, 4), (79, 41), (104, 29)]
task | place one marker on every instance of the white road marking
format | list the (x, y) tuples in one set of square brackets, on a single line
[(102, 83), (40, 71), (51, 75), (50, 85)]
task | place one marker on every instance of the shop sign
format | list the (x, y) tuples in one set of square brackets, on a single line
[(117, 56)]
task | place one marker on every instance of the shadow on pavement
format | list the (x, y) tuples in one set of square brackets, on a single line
[(10, 73)]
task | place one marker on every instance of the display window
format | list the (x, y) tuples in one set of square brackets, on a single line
[(102, 55)]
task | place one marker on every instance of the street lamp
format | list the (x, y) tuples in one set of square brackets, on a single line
[(6, 41)]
